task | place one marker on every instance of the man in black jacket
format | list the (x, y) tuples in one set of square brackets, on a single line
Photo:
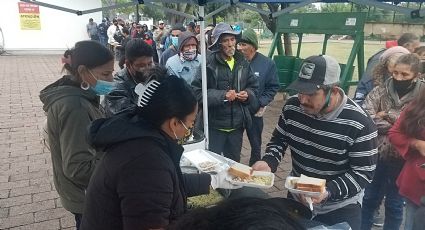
[(266, 73), (138, 57), (232, 89)]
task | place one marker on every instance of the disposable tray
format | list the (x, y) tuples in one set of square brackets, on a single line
[(290, 186), (233, 180), (199, 156)]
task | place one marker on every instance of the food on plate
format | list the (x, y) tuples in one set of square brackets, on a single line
[(206, 200), (260, 180), (240, 170), (310, 184), (207, 165)]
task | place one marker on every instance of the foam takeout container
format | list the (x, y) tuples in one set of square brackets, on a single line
[(235, 181), (199, 157), (291, 181)]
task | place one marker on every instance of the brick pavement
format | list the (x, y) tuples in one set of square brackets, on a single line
[(28, 199)]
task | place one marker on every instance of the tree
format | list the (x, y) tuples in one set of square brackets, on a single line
[(335, 7), (181, 7), (271, 23)]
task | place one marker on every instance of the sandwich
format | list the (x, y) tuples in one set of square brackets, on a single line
[(310, 184), (241, 171)]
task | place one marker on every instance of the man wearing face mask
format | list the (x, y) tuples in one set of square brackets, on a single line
[(330, 137), (232, 88), (173, 47), (138, 58), (187, 61)]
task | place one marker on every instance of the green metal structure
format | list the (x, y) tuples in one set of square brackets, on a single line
[(346, 23)]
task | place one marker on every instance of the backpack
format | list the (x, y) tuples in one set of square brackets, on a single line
[(118, 36)]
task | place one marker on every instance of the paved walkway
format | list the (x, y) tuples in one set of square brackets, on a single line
[(28, 199)]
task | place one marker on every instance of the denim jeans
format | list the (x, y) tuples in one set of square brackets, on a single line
[(254, 137), (410, 214), (103, 40), (78, 218), (383, 184)]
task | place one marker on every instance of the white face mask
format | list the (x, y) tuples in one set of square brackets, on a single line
[(189, 55)]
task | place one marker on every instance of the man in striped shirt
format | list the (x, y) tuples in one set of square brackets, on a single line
[(330, 137)]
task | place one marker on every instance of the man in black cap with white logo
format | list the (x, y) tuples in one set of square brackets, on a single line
[(330, 137)]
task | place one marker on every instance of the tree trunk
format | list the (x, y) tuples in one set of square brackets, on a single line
[(271, 25), (287, 44), (286, 37)]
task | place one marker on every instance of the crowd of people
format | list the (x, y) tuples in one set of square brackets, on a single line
[(123, 172)]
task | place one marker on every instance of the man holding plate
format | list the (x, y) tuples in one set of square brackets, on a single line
[(330, 137)]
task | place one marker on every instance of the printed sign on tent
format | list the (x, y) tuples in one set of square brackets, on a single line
[(30, 16)]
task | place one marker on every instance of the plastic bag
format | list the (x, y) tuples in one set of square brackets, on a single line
[(339, 226)]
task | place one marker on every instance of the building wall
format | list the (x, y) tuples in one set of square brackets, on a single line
[(390, 30), (59, 29)]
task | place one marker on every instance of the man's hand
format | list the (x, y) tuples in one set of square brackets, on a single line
[(419, 145), (315, 200), (261, 166), (260, 112), (242, 96), (319, 199), (231, 95)]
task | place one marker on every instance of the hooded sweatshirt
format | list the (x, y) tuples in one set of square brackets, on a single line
[(70, 110), (183, 68), (138, 183)]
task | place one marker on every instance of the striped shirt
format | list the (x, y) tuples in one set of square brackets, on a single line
[(341, 149)]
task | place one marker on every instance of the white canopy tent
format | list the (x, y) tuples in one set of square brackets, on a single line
[(201, 17)]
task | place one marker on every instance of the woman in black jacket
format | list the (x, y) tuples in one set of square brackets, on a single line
[(139, 184)]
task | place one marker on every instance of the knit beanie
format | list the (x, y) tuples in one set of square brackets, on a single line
[(249, 36), (391, 51)]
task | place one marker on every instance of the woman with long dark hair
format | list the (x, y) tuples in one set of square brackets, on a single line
[(408, 138), (71, 104)]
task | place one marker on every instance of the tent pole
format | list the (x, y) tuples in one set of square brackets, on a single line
[(204, 75)]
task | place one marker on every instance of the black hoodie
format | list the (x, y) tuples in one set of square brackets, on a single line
[(138, 184)]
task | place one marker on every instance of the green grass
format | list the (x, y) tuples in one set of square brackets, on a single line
[(338, 50)]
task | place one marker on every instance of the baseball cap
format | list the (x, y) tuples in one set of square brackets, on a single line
[(315, 72), (222, 28), (160, 22)]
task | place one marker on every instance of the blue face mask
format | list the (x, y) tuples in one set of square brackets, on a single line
[(175, 41), (102, 87)]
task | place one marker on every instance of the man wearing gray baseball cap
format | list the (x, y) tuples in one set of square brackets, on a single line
[(232, 88), (330, 137)]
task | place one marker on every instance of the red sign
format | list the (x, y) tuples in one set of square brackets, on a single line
[(28, 8)]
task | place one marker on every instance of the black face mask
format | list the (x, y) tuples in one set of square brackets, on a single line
[(403, 87)]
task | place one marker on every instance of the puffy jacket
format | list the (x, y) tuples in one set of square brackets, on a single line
[(138, 184), (366, 82), (223, 114), (122, 98), (69, 112)]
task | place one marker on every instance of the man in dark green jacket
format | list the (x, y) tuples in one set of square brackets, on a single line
[(232, 89)]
